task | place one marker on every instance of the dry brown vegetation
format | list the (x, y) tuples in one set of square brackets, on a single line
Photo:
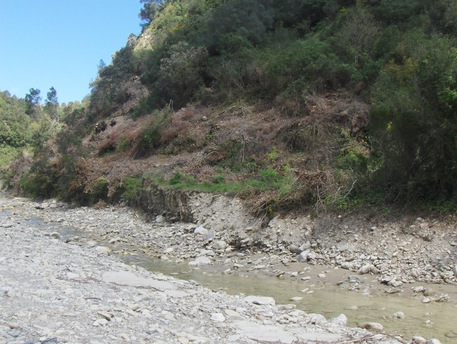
[(237, 141)]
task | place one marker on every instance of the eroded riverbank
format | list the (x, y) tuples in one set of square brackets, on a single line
[(123, 232)]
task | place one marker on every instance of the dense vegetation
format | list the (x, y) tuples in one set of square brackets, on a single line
[(366, 91)]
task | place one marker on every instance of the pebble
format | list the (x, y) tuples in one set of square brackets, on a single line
[(399, 315), (372, 326), (340, 320)]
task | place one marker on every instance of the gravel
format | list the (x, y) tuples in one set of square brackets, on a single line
[(58, 284)]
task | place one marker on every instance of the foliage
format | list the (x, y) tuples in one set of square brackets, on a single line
[(99, 190), (13, 121), (51, 106), (107, 91), (32, 101), (400, 57), (150, 137), (180, 73), (414, 117), (237, 24), (131, 187)]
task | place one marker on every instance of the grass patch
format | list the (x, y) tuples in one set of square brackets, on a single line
[(131, 187), (266, 180)]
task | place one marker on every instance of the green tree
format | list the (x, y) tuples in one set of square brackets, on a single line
[(32, 100), (149, 10), (414, 118), (237, 24), (51, 106)]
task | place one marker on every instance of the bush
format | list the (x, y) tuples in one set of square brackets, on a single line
[(131, 188), (99, 190), (237, 24), (180, 73), (306, 65), (150, 138), (413, 118)]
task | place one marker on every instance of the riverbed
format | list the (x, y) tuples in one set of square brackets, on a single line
[(314, 288)]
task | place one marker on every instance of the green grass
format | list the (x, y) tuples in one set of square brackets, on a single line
[(268, 179)]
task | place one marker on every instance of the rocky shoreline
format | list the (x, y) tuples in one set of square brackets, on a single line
[(63, 284)]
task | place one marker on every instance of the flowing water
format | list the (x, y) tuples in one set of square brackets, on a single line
[(429, 320)]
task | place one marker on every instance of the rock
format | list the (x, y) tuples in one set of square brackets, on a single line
[(209, 236), (296, 298), (347, 265), (205, 252), (340, 320), (306, 256), (433, 341), (232, 314), (168, 250), (372, 326), (55, 235), (322, 275), (394, 283), (295, 249), (200, 230), (316, 319), (419, 289), (100, 322), (107, 315), (353, 279), (159, 219), (127, 278), (260, 300), (91, 243), (219, 245), (418, 340), (115, 240), (305, 246), (218, 317), (202, 260), (368, 268), (399, 315), (103, 250)]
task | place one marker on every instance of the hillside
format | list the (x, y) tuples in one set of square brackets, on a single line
[(316, 104)]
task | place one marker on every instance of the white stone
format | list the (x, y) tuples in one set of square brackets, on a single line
[(201, 261), (260, 300), (218, 317), (340, 320), (399, 315), (200, 230)]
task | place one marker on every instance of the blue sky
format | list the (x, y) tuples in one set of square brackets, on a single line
[(59, 43)]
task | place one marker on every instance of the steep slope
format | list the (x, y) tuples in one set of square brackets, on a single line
[(297, 103)]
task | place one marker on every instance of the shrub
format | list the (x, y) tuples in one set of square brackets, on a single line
[(131, 187), (99, 190), (150, 137), (305, 65), (413, 122), (180, 73)]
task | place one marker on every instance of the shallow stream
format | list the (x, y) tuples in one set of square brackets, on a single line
[(429, 320)]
